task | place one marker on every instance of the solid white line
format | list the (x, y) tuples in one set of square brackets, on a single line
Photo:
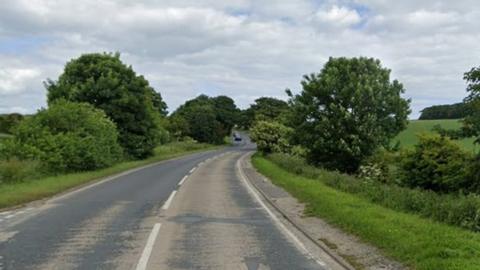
[(166, 205), (9, 216), (272, 215), (142, 263), (183, 180), (192, 170)]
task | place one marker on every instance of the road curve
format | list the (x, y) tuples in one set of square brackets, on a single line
[(193, 212)]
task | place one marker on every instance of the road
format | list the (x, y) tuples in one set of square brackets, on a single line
[(195, 212)]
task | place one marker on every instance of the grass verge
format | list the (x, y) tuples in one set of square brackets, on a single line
[(26, 191), (418, 243)]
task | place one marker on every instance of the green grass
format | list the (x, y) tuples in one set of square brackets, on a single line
[(408, 137), (27, 191), (418, 243)]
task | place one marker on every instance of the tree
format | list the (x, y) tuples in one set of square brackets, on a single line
[(264, 109), (108, 84), (208, 119), (67, 137), (472, 121), (453, 111), (347, 111), (271, 137), (9, 121)]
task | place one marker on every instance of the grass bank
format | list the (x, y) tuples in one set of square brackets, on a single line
[(408, 138), (417, 242), (13, 194)]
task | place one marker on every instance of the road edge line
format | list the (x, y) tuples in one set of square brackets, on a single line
[(147, 250)]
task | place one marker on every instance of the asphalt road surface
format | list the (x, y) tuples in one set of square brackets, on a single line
[(195, 212)]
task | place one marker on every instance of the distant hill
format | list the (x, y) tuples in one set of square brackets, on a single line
[(452, 111)]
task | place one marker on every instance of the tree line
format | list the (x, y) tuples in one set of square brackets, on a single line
[(451, 111)]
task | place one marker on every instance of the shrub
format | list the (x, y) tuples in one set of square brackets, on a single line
[(15, 170), (67, 137), (271, 137), (436, 163), (454, 209)]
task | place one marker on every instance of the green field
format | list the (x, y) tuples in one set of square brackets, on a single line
[(408, 138)]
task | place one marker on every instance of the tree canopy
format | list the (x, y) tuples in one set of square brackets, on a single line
[(105, 82), (345, 112), (263, 109), (472, 121), (452, 111), (205, 119)]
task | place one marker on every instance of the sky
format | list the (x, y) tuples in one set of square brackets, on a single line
[(241, 48)]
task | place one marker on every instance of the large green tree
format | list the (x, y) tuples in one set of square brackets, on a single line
[(105, 82), (347, 111), (205, 119)]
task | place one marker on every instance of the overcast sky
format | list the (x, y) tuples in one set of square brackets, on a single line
[(241, 48)]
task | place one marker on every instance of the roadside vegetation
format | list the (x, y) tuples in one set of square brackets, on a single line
[(102, 118), (345, 147)]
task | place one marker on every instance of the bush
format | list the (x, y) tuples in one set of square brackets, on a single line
[(436, 163), (271, 137), (454, 209), (67, 137), (15, 170)]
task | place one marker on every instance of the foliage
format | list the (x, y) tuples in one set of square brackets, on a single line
[(263, 109), (15, 170), (67, 137), (108, 84), (205, 119), (409, 137), (453, 209), (8, 122), (271, 137), (417, 242), (472, 121), (347, 111), (453, 111), (436, 163)]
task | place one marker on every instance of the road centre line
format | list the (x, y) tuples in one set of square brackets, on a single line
[(183, 180), (147, 251), (167, 203)]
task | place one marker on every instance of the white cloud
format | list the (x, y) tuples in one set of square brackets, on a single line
[(339, 16), (14, 80), (241, 48)]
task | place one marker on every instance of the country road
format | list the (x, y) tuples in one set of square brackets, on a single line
[(195, 212)]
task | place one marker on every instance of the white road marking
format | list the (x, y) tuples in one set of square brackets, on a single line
[(273, 216), (147, 251), (183, 180), (192, 170), (167, 203), (10, 216)]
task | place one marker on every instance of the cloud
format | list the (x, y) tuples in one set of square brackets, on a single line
[(241, 48), (341, 16), (14, 80)]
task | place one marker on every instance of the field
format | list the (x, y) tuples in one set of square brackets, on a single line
[(408, 137)]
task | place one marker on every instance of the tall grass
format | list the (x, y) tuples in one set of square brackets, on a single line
[(453, 209), (419, 243)]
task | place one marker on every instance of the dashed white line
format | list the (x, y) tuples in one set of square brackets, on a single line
[(167, 203), (147, 251), (183, 180), (192, 170)]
